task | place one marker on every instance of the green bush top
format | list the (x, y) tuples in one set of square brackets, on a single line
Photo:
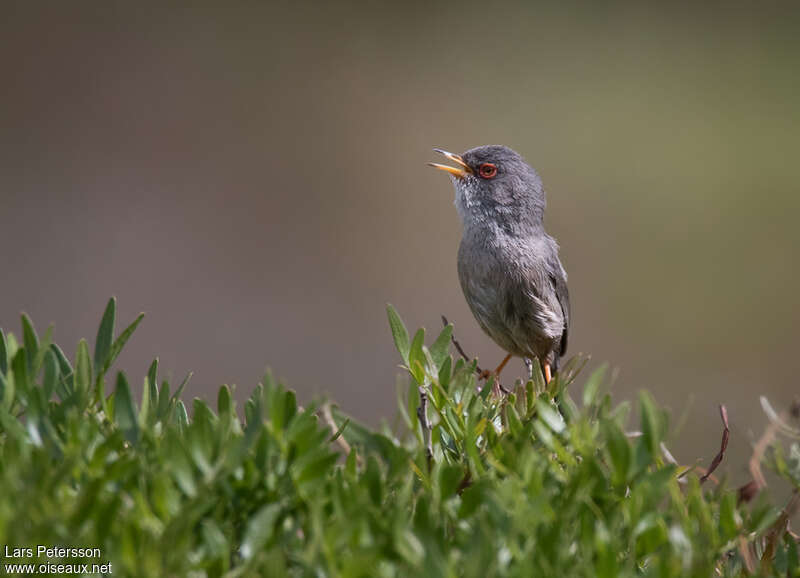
[(531, 483)]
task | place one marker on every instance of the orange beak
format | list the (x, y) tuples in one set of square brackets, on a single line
[(461, 172)]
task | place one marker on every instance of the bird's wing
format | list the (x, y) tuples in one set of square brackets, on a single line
[(540, 306), (558, 277), (530, 313)]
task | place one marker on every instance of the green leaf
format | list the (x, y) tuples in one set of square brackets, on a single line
[(6, 391), (450, 477), (592, 385), (254, 411), (550, 416), (445, 372), (214, 539), (105, 336), (538, 378), (152, 375), (3, 353), (476, 495), (30, 342), (11, 427), (259, 530), (606, 563), (315, 465), (792, 556), (278, 407), (729, 521), (181, 470), (44, 347), (512, 417), (65, 387), (351, 464), (181, 416), (120, 342), (164, 402), (417, 370), (416, 357), (224, 401), (399, 333), (144, 407), (19, 368), (440, 348), (415, 351), (652, 423), (125, 409), (372, 480), (51, 374), (177, 395), (152, 385), (619, 451), (83, 369), (400, 391)]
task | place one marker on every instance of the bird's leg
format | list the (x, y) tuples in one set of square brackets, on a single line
[(486, 373), (529, 365), (547, 375), (502, 365)]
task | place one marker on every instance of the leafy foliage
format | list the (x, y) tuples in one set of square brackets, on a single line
[(528, 484)]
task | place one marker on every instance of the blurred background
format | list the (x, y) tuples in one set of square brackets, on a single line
[(252, 175)]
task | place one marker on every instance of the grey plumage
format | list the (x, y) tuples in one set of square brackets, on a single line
[(508, 265)]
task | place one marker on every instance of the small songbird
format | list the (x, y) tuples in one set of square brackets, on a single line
[(508, 265)]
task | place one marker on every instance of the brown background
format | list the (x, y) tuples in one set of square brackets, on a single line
[(252, 175)]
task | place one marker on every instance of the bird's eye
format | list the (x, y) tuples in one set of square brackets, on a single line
[(487, 170)]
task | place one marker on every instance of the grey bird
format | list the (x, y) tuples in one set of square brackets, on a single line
[(508, 265)]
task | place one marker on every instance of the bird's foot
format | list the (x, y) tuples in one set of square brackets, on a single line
[(529, 366), (497, 387)]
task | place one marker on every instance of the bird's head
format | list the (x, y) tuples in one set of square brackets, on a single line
[(495, 186)]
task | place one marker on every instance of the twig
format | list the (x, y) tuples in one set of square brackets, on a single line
[(327, 416), (777, 529), (422, 414), (669, 458), (726, 433), (458, 347), (747, 555), (749, 491), (466, 358), (758, 453)]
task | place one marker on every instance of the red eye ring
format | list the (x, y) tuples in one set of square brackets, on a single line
[(487, 170)]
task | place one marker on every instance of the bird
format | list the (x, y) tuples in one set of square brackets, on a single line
[(508, 266)]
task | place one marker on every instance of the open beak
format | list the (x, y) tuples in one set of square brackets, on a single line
[(461, 171)]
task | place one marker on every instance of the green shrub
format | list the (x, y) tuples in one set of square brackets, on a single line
[(526, 484)]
